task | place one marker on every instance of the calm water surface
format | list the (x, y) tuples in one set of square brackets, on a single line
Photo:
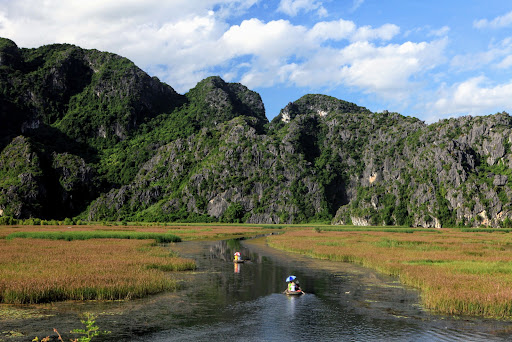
[(244, 302), (344, 302)]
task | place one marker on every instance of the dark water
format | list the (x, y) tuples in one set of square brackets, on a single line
[(343, 303), (227, 302)]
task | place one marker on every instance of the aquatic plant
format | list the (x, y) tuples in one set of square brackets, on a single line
[(90, 331)]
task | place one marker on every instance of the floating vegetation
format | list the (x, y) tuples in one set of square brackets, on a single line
[(15, 313)]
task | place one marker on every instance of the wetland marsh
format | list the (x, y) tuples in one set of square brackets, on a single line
[(222, 301)]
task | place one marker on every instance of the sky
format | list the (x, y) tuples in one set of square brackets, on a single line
[(427, 59)]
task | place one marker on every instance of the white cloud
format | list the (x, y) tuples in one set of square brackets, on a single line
[(385, 32), (443, 31), (289, 54), (475, 61), (335, 30), (99, 23), (387, 71), (428, 31), (347, 30), (474, 96), (183, 41), (505, 63), (275, 39), (356, 4), (498, 22), (293, 7)]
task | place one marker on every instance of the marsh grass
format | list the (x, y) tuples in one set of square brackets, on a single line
[(81, 262), (100, 269), (464, 273), (185, 232), (376, 229), (96, 234)]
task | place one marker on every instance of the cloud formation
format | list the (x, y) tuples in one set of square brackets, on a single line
[(356, 4), (294, 44), (473, 96), (496, 55), (293, 7), (498, 22)]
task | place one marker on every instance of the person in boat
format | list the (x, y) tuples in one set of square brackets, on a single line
[(297, 286), (237, 256), (292, 286)]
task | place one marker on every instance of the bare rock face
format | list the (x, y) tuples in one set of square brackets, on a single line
[(217, 206), (360, 221), (500, 180)]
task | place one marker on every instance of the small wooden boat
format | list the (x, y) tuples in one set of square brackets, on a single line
[(293, 293)]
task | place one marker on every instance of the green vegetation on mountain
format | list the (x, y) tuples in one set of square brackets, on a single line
[(87, 134)]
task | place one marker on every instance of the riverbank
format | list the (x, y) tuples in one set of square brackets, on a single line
[(458, 273)]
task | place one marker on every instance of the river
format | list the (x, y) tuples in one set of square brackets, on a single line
[(222, 301)]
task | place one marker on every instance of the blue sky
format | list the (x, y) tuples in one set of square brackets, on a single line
[(428, 59)]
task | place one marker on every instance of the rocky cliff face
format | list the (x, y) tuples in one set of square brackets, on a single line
[(90, 134), (454, 172)]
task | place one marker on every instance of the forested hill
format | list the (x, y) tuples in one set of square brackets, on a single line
[(88, 134)]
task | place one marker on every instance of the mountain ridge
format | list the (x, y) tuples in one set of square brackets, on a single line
[(90, 135)]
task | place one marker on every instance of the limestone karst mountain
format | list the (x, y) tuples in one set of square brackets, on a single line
[(88, 134)]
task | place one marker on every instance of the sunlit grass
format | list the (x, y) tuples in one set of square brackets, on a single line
[(82, 262), (457, 272), (101, 269), (96, 234), (184, 231)]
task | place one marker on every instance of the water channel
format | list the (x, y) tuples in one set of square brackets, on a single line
[(222, 301)]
